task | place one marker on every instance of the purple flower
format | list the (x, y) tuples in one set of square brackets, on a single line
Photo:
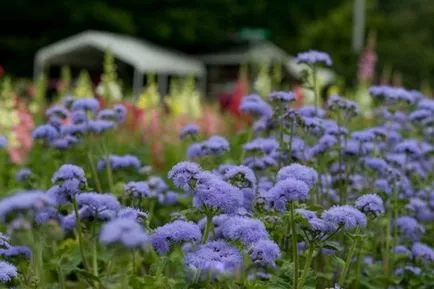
[(169, 198), (73, 129), (65, 191), (174, 233), (264, 145), (47, 214), (376, 164), (311, 111), (409, 228), (7, 272), (312, 57), (400, 249), (215, 145), (264, 252), (4, 241), (298, 172), (106, 114), (240, 176), (190, 129), (79, 117), (57, 111), (23, 174), (121, 112), (288, 190), (216, 257), (87, 104), (344, 216), (32, 201), (119, 162), (307, 214), (363, 136), (370, 204), (133, 214), (423, 252), (184, 175), (325, 143), (255, 105), (213, 193), (410, 147), (100, 126), (245, 230), (45, 132), (336, 102), (124, 231), (102, 206), (281, 96), (64, 143), (317, 225), (69, 172), (412, 269), (426, 104), (16, 251)]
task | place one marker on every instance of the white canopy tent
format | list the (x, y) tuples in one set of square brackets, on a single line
[(143, 56)]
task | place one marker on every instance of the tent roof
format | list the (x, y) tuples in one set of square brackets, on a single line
[(142, 55), (259, 51)]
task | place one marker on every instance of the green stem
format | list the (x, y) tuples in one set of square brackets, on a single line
[(348, 260), (94, 251), (306, 267), (358, 267), (294, 244), (315, 87), (94, 172), (79, 235), (207, 228)]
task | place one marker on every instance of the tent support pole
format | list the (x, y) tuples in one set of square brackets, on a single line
[(137, 84), (163, 84)]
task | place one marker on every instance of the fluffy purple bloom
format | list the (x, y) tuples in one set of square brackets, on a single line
[(423, 252), (410, 147), (121, 112), (216, 257), (45, 132), (412, 269), (74, 129), (106, 114), (69, 172), (240, 176), (64, 142), (311, 111), (307, 214), (100, 126), (345, 216), (285, 191), (47, 214), (174, 233), (409, 228), (190, 129), (195, 150), (312, 57), (336, 102), (86, 104), (215, 145), (264, 252), (23, 174), (255, 105), (65, 191), (32, 201), (7, 272), (169, 198), (133, 214), (214, 193), (16, 251), (260, 162), (400, 249), (363, 136), (79, 117), (119, 162), (264, 145), (101, 206), (318, 225), (325, 143), (184, 175), (4, 241), (124, 231), (370, 204), (245, 230), (298, 172), (426, 104), (3, 142), (57, 111), (281, 96), (376, 164)]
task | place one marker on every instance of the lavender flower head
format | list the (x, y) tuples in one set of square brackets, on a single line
[(103, 206), (370, 204), (124, 231), (184, 175), (409, 228), (298, 172), (264, 252), (69, 172), (4, 241), (423, 252), (245, 230), (119, 162), (7, 272), (312, 57), (23, 174), (215, 145), (133, 214), (16, 252), (31, 201), (174, 233), (285, 191), (311, 111), (190, 129), (79, 117), (256, 106), (121, 112), (281, 96), (57, 111), (3, 142), (100, 125), (412, 269), (216, 257), (336, 102), (264, 145), (86, 104), (345, 216), (106, 114), (240, 176), (45, 132)]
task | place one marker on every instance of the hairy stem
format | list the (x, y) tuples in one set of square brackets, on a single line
[(294, 244)]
